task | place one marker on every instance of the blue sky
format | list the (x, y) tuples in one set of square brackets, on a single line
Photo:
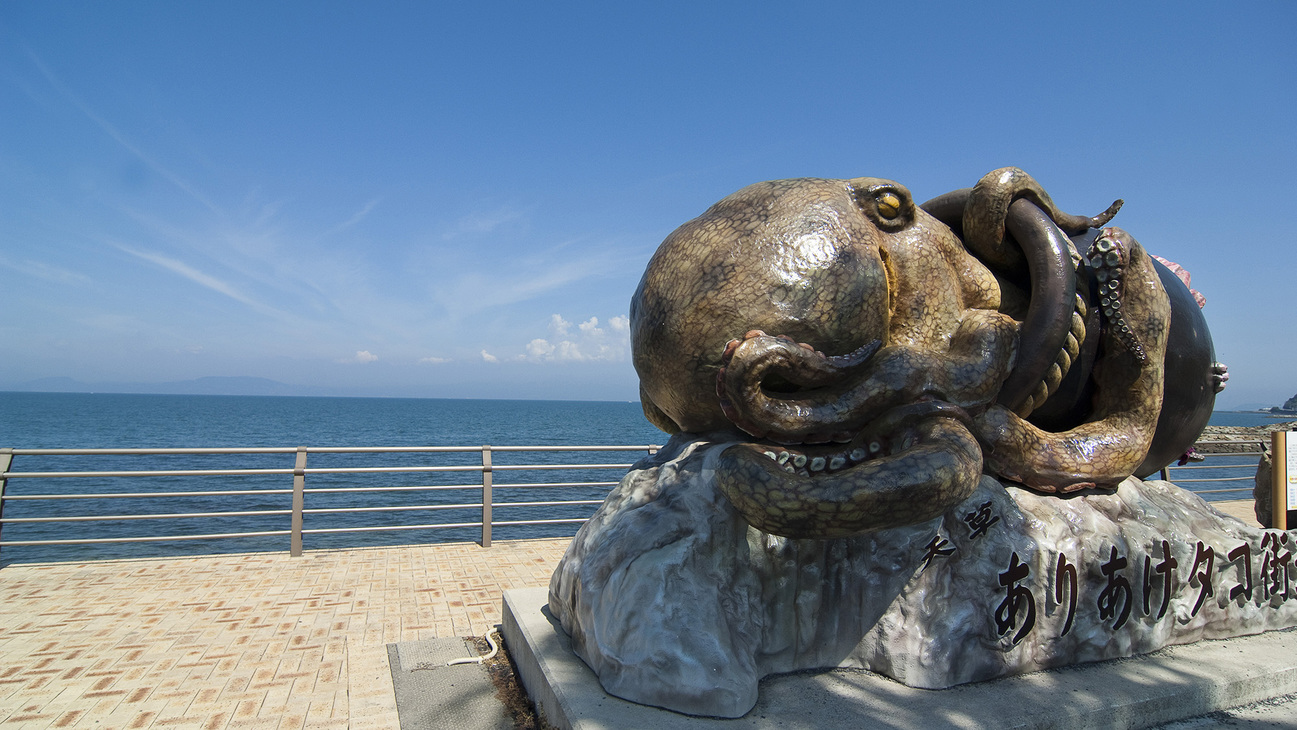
[(457, 200)]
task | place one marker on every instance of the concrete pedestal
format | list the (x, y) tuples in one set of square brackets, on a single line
[(1172, 684)]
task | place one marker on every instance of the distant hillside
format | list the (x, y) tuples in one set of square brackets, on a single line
[(1289, 406), (201, 386)]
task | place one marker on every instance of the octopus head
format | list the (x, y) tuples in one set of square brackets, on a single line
[(801, 258), (808, 260)]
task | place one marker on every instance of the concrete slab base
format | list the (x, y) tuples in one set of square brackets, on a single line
[(1175, 684)]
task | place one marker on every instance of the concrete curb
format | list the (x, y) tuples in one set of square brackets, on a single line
[(1173, 684)]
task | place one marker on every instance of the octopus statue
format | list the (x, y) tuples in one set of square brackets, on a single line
[(871, 357)]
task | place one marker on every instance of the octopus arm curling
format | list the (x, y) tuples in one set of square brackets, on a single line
[(1127, 402), (821, 399), (987, 210), (1010, 199), (939, 470)]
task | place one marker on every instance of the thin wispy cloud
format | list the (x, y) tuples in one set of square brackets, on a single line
[(361, 357), (359, 216), (432, 360), (520, 281), (117, 136), (254, 254), (482, 223), (198, 277), (44, 271)]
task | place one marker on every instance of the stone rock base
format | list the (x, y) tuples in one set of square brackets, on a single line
[(674, 601)]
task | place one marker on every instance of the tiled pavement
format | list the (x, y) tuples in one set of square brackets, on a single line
[(258, 640)]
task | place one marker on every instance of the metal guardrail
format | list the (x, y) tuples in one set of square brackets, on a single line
[(1253, 448), (296, 510)]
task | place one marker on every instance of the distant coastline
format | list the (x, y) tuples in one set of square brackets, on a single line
[(214, 385), (249, 386)]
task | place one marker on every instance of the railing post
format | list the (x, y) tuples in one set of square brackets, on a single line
[(6, 458), (486, 496), (1279, 480), (1165, 474), (299, 500)]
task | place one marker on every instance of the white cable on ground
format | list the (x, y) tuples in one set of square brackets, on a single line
[(480, 659)]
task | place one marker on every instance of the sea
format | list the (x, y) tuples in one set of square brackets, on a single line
[(104, 420)]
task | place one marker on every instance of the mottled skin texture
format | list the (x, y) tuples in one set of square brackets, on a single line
[(732, 321)]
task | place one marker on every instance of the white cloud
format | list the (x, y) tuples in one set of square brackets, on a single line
[(590, 328), (558, 325), (362, 356), (434, 360), (489, 357), (539, 348), (589, 343)]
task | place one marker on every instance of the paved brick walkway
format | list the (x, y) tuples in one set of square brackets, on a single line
[(257, 640)]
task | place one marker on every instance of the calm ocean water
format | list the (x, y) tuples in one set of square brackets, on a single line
[(76, 420)]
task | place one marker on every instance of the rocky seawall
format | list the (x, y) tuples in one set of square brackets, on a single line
[(1246, 436)]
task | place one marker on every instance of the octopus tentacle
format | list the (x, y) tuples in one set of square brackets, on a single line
[(1050, 316), (775, 388), (1048, 257), (938, 466), (1067, 355), (1109, 258), (988, 207), (1127, 401)]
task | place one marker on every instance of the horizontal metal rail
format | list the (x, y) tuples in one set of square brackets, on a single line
[(388, 528), (137, 495), (158, 538), (321, 450), (150, 516), (398, 508), (1248, 468), (1216, 466), (299, 492), (330, 470), (1221, 491), (487, 471)]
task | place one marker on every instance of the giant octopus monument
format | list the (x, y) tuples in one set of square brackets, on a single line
[(911, 439)]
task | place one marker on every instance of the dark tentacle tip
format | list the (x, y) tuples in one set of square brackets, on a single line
[(857, 356), (1102, 219)]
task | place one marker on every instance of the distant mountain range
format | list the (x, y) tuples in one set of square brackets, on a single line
[(200, 386)]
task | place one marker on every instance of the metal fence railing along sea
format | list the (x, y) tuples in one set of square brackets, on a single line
[(121, 421), (84, 421)]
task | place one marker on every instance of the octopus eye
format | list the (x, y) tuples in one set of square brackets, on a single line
[(889, 204), (886, 203)]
